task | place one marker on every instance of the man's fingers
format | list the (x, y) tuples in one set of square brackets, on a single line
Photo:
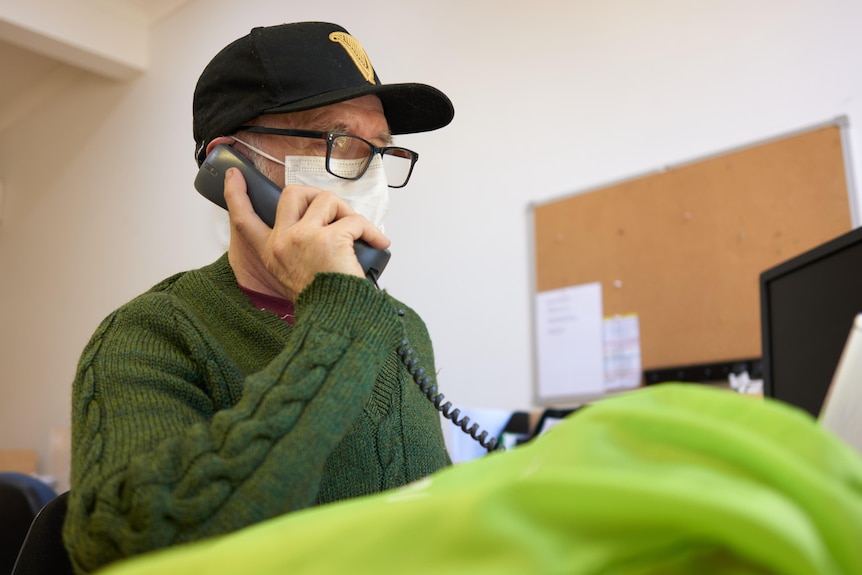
[(316, 207), (326, 208), (314, 232), (293, 203)]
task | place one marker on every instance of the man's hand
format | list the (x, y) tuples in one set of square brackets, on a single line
[(314, 232)]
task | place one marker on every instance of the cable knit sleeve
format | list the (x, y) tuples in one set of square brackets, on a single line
[(174, 443)]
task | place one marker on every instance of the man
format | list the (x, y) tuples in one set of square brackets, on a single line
[(268, 381)]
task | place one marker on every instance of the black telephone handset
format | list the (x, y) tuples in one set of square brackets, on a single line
[(264, 195)]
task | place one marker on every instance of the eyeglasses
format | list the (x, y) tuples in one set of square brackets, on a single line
[(397, 162)]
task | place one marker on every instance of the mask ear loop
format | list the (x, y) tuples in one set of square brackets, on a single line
[(257, 150)]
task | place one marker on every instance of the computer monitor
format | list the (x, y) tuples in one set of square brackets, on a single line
[(808, 304)]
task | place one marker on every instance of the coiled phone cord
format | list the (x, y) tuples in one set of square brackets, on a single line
[(429, 388)]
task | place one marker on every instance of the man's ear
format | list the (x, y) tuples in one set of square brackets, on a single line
[(220, 140)]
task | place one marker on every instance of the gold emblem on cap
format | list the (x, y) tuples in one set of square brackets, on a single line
[(356, 52)]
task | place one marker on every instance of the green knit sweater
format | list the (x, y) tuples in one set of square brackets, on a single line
[(195, 414)]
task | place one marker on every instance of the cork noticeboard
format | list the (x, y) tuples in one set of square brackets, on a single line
[(683, 248)]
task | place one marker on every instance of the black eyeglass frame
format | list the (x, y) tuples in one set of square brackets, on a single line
[(329, 137)]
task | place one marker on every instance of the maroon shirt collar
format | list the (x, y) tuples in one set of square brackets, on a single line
[(280, 306)]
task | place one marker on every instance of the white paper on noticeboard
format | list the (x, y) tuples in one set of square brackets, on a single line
[(569, 341)]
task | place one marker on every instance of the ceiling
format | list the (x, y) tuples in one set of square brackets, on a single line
[(46, 44)]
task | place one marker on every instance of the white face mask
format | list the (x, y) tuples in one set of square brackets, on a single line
[(368, 196)]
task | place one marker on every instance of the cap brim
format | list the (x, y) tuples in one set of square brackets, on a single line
[(409, 108)]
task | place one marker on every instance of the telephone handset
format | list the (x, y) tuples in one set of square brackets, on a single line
[(264, 195)]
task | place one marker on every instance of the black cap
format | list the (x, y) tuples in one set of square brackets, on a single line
[(294, 67)]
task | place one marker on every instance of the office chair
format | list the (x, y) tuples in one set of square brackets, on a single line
[(43, 550), (21, 498)]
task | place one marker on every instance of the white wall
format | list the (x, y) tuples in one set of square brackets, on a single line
[(553, 98)]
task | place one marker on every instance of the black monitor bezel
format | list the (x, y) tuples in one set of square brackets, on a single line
[(796, 263)]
